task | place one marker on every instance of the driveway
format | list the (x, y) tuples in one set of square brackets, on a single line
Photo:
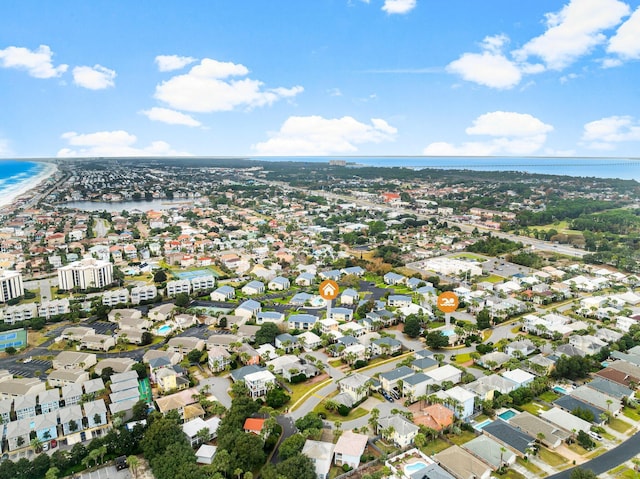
[(218, 386)]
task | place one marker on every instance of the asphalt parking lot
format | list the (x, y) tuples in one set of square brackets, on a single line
[(103, 327), (108, 472), (28, 369)]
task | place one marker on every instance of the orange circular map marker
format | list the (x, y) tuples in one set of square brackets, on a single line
[(448, 302), (329, 289)]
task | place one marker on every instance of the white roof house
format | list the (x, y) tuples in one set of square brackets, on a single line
[(565, 420), (321, 453)]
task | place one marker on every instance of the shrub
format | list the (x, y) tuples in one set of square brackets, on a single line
[(343, 410), (346, 467)]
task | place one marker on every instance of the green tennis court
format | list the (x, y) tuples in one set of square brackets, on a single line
[(145, 390)]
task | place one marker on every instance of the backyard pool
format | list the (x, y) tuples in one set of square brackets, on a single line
[(560, 390), (448, 332), (164, 330), (508, 414), (414, 467), (481, 425)]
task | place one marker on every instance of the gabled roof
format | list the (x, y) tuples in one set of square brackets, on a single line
[(254, 424), (401, 424), (509, 435)]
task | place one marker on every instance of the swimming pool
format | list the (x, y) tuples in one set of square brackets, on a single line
[(414, 467), (481, 425), (560, 390), (448, 332), (508, 414), (164, 330)]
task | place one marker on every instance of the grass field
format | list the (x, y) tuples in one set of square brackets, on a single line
[(510, 474), (471, 256), (462, 438), (533, 408), (619, 425), (552, 458), (463, 358), (494, 278), (529, 467), (631, 413), (549, 396), (434, 447), (578, 449), (334, 416)]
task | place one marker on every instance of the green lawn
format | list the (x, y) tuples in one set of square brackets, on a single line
[(462, 438), (631, 413), (494, 278), (619, 425), (472, 256), (463, 358), (299, 390), (575, 447), (434, 447), (334, 416), (549, 396), (552, 458), (510, 474), (534, 408), (528, 466)]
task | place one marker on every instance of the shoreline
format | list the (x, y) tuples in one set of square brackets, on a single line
[(13, 193)]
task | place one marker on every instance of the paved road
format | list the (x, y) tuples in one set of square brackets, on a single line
[(288, 430), (608, 460)]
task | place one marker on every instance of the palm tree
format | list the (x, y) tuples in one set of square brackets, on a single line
[(52, 473), (133, 463), (238, 472), (36, 444)]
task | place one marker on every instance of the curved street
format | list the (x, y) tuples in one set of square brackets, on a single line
[(609, 460)]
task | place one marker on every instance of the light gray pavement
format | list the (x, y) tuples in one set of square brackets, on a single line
[(219, 387), (43, 285)]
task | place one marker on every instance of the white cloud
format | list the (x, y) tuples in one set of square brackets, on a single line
[(167, 63), (4, 147), (172, 117), (514, 134), (626, 41), (315, 135), (37, 63), (398, 6), (207, 88), (508, 123), (334, 92), (573, 31), (96, 77), (603, 134), (489, 69), (111, 143)]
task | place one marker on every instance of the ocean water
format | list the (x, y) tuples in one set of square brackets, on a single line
[(14, 172), (623, 168)]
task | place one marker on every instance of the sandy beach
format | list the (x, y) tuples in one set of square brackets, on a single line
[(13, 192)]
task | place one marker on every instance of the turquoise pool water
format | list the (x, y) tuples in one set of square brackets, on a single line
[(484, 423), (448, 332), (414, 467), (507, 415), (164, 329), (560, 390)]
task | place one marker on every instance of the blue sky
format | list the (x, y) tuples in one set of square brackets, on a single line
[(320, 77)]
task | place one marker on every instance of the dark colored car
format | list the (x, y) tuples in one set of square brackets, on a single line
[(121, 463)]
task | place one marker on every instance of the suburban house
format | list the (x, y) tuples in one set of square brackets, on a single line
[(259, 382), (417, 385), (219, 358), (518, 441), (183, 345), (491, 452), (394, 279), (349, 449), (223, 293), (253, 287), (519, 377), (398, 300), (549, 434), (389, 380), (74, 360), (269, 317), (462, 464), (462, 401), (191, 429), (356, 385), (349, 296), (302, 321), (386, 346), (279, 283), (321, 454), (248, 309), (435, 416), (254, 425), (445, 373), (398, 429)]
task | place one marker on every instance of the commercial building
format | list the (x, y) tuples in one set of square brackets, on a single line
[(11, 286)]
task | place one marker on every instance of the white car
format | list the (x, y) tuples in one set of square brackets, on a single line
[(595, 435)]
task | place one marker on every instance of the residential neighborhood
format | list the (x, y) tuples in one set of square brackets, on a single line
[(194, 312)]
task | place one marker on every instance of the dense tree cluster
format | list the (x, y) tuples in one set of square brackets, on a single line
[(574, 367), (494, 246)]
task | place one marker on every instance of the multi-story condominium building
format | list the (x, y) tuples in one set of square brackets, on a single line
[(178, 286), (259, 383), (143, 293), (11, 286), (203, 282), (19, 312), (113, 298), (86, 273), (54, 307)]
